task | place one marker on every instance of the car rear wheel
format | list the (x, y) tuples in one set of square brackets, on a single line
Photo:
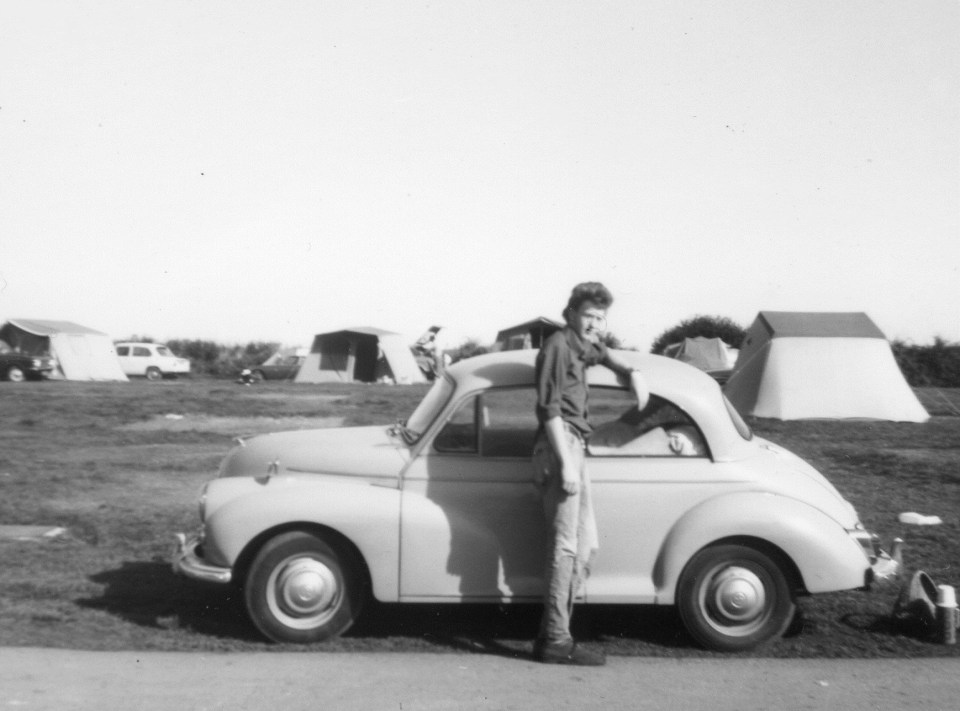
[(15, 374), (301, 589), (153, 373), (733, 598)]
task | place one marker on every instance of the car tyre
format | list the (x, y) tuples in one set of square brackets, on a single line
[(153, 373), (301, 589), (258, 376), (15, 374), (732, 598)]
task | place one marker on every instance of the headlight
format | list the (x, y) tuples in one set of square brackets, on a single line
[(36, 363)]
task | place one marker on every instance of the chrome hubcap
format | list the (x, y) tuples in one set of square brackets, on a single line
[(303, 592), (735, 597)]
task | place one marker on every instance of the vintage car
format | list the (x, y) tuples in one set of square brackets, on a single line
[(694, 510), (280, 366), (152, 361), (17, 367)]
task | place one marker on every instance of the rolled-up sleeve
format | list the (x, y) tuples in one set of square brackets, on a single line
[(551, 373)]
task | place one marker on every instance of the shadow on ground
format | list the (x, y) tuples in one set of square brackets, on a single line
[(148, 594)]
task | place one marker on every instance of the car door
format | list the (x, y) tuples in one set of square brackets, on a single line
[(471, 522), (647, 469)]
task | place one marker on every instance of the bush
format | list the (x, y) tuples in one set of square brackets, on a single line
[(220, 360), (937, 365), (720, 327)]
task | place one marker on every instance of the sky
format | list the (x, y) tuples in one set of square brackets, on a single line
[(247, 171)]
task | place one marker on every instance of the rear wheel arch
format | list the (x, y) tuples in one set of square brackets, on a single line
[(772, 551)]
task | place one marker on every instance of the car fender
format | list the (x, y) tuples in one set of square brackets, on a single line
[(825, 555), (366, 512)]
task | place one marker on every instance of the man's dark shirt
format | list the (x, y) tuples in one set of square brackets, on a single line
[(562, 379)]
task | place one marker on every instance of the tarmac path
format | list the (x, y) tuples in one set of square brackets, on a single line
[(67, 680)]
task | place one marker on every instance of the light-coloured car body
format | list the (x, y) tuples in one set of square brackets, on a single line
[(150, 360), (443, 508)]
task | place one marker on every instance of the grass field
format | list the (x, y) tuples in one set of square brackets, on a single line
[(119, 467)]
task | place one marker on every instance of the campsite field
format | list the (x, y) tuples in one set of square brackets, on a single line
[(119, 467)]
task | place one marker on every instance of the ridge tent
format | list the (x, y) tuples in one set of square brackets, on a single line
[(797, 365), (364, 354), (81, 352), (707, 354), (529, 334)]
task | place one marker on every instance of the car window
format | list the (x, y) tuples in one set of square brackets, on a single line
[(460, 432), (508, 422), (123, 350), (141, 351), (661, 429), (164, 351)]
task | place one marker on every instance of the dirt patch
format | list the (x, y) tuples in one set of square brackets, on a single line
[(232, 426)]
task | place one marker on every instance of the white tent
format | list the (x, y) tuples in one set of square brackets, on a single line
[(797, 365), (81, 352), (707, 354), (360, 354)]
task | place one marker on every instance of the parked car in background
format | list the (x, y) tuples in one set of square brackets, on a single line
[(282, 365), (17, 367), (694, 510), (150, 360)]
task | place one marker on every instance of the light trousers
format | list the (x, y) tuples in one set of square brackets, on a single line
[(571, 534)]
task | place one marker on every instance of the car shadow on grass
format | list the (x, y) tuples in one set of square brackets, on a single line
[(148, 594)]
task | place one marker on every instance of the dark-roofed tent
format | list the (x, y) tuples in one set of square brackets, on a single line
[(359, 354), (82, 353), (529, 334), (798, 365)]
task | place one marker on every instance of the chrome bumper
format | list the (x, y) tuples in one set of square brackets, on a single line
[(186, 562)]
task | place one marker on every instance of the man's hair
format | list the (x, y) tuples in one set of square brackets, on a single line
[(590, 291)]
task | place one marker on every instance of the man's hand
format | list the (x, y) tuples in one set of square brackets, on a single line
[(571, 480)]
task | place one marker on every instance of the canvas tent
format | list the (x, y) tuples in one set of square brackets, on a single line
[(81, 352), (797, 365), (359, 354), (712, 355), (529, 334)]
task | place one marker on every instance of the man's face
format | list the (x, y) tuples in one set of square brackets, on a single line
[(589, 321)]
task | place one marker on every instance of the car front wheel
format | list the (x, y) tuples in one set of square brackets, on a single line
[(153, 373), (301, 589), (15, 374), (733, 598)]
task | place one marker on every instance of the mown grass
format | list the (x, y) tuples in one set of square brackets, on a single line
[(105, 461)]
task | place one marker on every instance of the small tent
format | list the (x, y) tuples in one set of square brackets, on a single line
[(797, 365), (712, 355), (81, 352), (359, 354), (529, 334)]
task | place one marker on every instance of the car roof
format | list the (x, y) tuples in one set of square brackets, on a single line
[(689, 388)]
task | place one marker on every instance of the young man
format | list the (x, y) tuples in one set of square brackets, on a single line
[(558, 460)]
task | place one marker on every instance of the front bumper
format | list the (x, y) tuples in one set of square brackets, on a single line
[(186, 561)]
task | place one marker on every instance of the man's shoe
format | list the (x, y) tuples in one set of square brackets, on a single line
[(567, 653)]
